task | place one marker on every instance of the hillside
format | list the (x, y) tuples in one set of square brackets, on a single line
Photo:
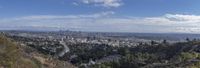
[(13, 55), (178, 55)]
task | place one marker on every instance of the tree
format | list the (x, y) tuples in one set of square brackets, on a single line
[(164, 41), (187, 39), (153, 42)]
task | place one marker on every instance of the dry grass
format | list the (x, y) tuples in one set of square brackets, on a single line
[(14, 56), (11, 57)]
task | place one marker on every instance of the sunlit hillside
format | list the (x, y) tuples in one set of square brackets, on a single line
[(13, 55)]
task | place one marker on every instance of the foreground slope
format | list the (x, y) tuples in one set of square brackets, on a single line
[(13, 55)]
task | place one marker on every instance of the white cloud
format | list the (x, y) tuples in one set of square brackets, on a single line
[(180, 17), (102, 22), (74, 3), (42, 17), (104, 3)]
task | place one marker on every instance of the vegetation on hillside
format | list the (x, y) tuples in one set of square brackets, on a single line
[(13, 55), (155, 55), (182, 55)]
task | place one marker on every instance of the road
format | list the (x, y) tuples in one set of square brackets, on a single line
[(65, 49)]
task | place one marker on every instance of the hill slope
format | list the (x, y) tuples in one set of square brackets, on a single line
[(13, 55)]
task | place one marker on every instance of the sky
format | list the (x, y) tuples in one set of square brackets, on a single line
[(143, 16)]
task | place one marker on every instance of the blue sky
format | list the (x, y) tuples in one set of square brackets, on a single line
[(155, 16)]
